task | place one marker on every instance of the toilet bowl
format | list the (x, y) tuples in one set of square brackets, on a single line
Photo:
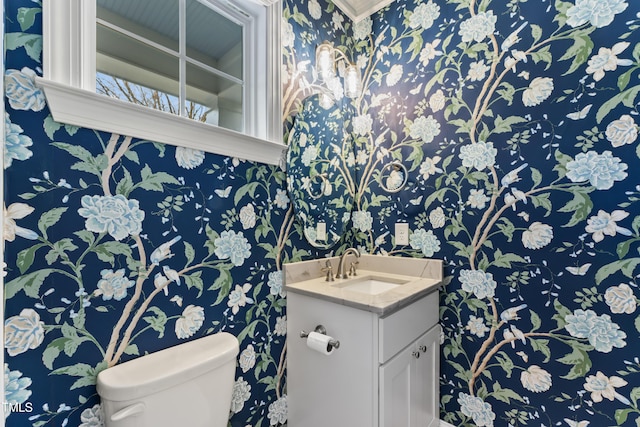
[(190, 384)]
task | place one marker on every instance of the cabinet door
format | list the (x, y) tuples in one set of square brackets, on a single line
[(396, 378), (409, 384), (425, 392)]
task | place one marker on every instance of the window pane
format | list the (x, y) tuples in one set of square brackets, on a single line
[(214, 39), (136, 72), (155, 20), (216, 100)]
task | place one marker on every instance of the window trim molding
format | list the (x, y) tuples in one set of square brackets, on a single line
[(69, 87)]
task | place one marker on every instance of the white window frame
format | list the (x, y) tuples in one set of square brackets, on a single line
[(69, 58)]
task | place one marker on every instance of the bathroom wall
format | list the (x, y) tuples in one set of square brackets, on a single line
[(96, 225), (517, 122)]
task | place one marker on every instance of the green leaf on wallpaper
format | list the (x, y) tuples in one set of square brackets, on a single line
[(27, 16), (506, 363), (536, 32), (416, 46), (625, 266), (621, 415), (627, 98), (505, 260), (26, 257), (157, 322), (504, 394), (59, 250), (51, 126), (542, 346), (189, 253), (154, 181), (125, 185), (535, 321), (194, 281), (625, 78), (543, 55), (32, 43), (249, 189), (580, 49), (507, 92), (29, 283), (50, 218), (581, 206), (579, 361), (561, 313), (503, 125), (623, 248)]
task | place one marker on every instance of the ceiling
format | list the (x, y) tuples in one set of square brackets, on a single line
[(360, 9)]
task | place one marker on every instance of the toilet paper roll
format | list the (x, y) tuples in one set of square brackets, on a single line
[(320, 343)]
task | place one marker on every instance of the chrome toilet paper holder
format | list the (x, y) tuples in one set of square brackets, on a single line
[(321, 330)]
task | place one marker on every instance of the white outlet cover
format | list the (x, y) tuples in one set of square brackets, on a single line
[(321, 231), (402, 233)]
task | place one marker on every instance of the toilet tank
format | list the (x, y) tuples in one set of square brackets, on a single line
[(190, 385)]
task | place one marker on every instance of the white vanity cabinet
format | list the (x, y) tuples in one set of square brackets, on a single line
[(384, 373)]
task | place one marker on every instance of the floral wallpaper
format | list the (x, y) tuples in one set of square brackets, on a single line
[(517, 122), (117, 247)]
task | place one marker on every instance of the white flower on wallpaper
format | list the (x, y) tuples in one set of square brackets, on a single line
[(278, 411), (275, 284), (238, 297), (247, 359), (477, 198), (536, 379), (11, 229), (15, 387), (362, 124), (309, 154), (395, 74), (537, 236), (603, 387), (429, 166), (480, 411), (113, 285), (622, 131), (480, 155), (424, 15), (476, 326), (607, 60), (21, 90), (363, 28), (425, 241), (23, 332), (538, 91), (189, 158), (281, 199), (232, 246), (288, 36), (362, 220), (248, 216), (15, 143), (478, 27), (437, 101), (116, 215), (92, 417), (478, 282), (601, 332), (437, 217), (281, 326), (190, 322), (429, 52), (598, 13), (478, 71), (621, 299), (601, 170), (424, 128), (315, 10), (605, 223), (241, 393)]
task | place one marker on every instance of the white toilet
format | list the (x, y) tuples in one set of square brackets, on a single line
[(187, 385)]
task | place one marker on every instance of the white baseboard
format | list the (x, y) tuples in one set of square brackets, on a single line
[(445, 424)]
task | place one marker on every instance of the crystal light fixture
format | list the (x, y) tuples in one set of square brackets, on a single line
[(327, 58)]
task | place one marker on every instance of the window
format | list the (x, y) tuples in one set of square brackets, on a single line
[(183, 72)]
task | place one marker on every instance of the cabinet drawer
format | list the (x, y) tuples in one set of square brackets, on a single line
[(404, 326)]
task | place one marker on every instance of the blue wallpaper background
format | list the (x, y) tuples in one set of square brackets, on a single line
[(517, 121)]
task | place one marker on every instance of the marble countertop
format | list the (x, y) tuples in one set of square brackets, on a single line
[(420, 277)]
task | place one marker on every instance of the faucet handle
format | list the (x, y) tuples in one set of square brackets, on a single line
[(329, 269), (352, 268)]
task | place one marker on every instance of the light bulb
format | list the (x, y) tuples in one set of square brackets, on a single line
[(352, 81), (325, 61)]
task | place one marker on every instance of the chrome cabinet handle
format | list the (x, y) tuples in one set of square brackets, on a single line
[(423, 348), (416, 354)]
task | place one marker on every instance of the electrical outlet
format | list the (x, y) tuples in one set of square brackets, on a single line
[(321, 231), (402, 233)]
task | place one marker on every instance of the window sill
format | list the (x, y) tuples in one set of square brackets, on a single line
[(86, 109)]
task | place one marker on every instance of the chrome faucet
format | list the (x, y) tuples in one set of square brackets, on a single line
[(341, 273)]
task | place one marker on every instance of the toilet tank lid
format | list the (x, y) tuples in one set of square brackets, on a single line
[(166, 368)]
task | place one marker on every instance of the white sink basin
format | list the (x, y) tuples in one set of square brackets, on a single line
[(371, 285)]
